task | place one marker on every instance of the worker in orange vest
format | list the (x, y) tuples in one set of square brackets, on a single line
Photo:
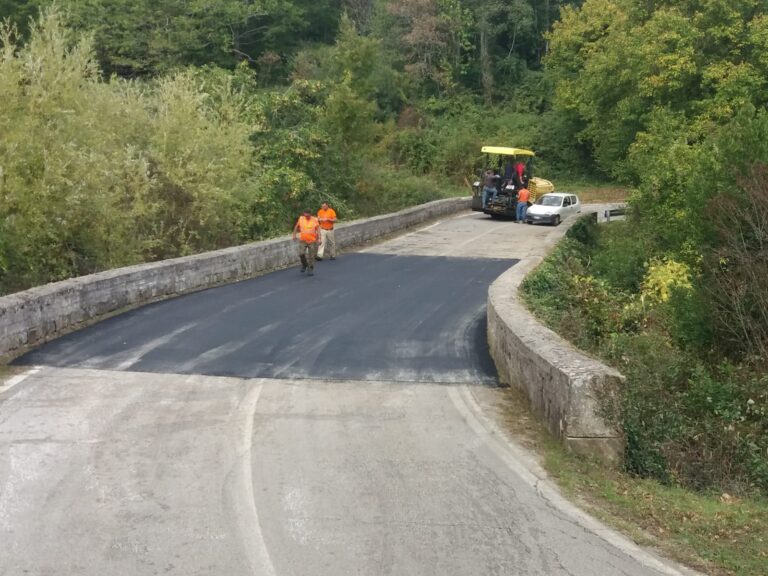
[(308, 229), (327, 218), (522, 204)]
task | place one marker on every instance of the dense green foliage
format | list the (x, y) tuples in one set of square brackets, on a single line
[(672, 70), (690, 416)]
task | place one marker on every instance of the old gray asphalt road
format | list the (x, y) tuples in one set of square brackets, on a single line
[(291, 426)]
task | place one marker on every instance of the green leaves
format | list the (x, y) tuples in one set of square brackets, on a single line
[(149, 36), (97, 174), (616, 62)]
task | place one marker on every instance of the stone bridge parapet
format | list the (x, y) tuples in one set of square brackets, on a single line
[(564, 385), (40, 314)]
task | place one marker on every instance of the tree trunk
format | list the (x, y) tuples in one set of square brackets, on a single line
[(486, 70)]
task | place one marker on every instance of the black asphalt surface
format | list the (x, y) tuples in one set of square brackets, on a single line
[(361, 317)]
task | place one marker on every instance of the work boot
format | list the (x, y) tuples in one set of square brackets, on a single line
[(311, 272), (303, 269)]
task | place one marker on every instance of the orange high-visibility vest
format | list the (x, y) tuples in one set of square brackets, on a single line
[(308, 229), (523, 195), (330, 213)]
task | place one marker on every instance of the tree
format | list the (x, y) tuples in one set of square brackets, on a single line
[(616, 61), (151, 36), (20, 12), (97, 174), (434, 38)]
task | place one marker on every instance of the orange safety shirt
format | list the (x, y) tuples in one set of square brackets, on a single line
[(523, 195), (308, 229), (330, 213)]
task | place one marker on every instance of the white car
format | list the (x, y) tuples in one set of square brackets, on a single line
[(552, 208)]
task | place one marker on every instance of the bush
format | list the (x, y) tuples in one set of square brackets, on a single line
[(97, 174), (584, 231), (383, 189), (689, 417), (650, 415), (620, 256), (546, 287)]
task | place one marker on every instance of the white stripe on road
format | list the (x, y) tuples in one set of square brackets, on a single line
[(18, 379), (239, 489), (527, 469)]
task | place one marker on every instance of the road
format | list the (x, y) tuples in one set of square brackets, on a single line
[(289, 425)]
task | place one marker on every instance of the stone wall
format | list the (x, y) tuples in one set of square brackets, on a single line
[(562, 383), (34, 316)]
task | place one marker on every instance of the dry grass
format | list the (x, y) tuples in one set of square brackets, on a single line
[(592, 192)]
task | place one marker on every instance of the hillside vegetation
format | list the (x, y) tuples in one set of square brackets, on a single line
[(136, 131)]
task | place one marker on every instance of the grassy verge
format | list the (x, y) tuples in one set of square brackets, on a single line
[(716, 534)]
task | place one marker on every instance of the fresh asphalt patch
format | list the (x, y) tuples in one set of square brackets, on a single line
[(361, 317)]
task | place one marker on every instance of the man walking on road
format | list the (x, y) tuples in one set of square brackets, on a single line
[(522, 204), (308, 229), (327, 218)]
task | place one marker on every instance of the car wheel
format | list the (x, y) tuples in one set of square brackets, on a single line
[(556, 221)]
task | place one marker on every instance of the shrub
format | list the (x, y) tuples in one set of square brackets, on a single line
[(584, 231), (546, 289), (383, 189), (620, 256), (101, 174), (737, 269), (650, 415), (689, 417)]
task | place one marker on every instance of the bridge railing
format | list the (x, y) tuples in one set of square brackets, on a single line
[(40, 314)]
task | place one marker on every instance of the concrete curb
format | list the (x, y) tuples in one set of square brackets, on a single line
[(562, 383), (40, 314)]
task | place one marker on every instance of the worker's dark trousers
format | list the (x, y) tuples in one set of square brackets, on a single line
[(307, 254)]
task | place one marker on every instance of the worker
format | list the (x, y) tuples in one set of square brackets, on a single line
[(522, 204), (307, 227), (508, 169), (327, 218), (489, 186), (519, 172)]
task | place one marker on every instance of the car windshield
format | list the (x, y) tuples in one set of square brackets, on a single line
[(550, 201)]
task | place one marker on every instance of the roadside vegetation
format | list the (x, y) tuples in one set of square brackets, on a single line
[(671, 98), (694, 412), (716, 533)]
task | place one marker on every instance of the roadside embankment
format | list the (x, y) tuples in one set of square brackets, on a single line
[(40, 314), (563, 385)]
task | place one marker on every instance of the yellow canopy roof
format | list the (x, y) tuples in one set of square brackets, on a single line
[(507, 151)]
